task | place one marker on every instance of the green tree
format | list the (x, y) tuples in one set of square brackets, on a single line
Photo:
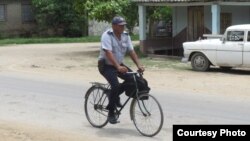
[(159, 13), (59, 16), (156, 14), (105, 10)]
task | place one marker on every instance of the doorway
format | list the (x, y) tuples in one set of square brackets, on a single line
[(195, 22)]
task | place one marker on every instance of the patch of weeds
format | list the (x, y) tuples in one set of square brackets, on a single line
[(155, 63)]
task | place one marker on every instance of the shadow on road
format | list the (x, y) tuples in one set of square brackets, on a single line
[(117, 132), (230, 71)]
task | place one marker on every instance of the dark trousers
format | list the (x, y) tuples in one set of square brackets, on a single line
[(111, 74)]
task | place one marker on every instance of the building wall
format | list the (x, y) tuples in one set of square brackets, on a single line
[(208, 17), (14, 25), (179, 19), (13, 20), (97, 28), (240, 15)]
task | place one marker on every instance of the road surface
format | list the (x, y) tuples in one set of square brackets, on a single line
[(57, 103)]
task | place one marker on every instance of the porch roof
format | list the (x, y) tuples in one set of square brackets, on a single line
[(191, 2), (165, 0)]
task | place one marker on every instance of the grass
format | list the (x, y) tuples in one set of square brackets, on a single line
[(41, 40), (157, 63)]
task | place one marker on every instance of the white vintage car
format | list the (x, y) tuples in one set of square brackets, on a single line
[(226, 51)]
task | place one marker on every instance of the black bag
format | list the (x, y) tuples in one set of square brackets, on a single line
[(129, 87)]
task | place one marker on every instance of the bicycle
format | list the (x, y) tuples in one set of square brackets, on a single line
[(142, 108)]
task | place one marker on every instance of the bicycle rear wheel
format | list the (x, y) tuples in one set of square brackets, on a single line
[(96, 101), (147, 115)]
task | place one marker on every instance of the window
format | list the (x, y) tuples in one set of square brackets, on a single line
[(235, 36), (27, 13), (2, 13)]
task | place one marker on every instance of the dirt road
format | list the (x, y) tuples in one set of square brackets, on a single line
[(76, 63)]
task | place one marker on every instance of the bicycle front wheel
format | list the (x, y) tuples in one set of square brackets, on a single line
[(147, 115), (96, 101)]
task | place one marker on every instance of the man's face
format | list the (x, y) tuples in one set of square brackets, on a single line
[(119, 28)]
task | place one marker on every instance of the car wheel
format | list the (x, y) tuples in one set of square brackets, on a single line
[(200, 62)]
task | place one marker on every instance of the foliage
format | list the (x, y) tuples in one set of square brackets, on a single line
[(159, 13), (71, 16), (155, 15), (58, 15), (105, 10), (139, 53)]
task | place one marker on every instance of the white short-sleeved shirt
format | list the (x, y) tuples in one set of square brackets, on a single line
[(119, 48)]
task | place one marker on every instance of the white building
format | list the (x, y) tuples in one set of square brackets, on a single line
[(192, 19)]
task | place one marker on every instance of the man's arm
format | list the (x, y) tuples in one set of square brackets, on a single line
[(112, 59)]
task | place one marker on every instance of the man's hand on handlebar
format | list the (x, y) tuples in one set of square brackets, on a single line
[(141, 69), (122, 69)]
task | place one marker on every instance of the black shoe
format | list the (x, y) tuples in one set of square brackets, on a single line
[(111, 118)]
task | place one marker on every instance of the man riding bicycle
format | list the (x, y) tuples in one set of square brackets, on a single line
[(115, 43)]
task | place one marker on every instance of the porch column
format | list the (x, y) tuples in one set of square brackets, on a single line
[(142, 26), (215, 19)]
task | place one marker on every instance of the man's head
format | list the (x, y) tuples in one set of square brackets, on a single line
[(118, 20), (118, 24)]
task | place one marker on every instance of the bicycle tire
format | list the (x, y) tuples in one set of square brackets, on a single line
[(151, 109), (95, 104)]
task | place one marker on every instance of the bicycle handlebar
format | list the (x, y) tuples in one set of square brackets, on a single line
[(135, 72), (132, 72)]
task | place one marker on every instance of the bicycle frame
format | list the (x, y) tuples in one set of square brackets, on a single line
[(118, 111), (137, 98)]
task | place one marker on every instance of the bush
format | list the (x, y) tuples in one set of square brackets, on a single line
[(138, 52), (74, 30), (57, 17)]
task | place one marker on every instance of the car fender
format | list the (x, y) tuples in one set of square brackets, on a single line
[(207, 54)]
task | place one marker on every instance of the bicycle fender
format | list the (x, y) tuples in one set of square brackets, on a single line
[(90, 89), (97, 85), (131, 108)]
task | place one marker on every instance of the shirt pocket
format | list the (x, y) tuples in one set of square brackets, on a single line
[(124, 46)]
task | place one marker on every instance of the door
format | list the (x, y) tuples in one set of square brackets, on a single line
[(195, 22), (230, 53)]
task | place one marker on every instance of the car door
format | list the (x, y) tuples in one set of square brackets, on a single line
[(230, 52), (246, 51)]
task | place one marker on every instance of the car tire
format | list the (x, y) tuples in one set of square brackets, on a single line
[(200, 62)]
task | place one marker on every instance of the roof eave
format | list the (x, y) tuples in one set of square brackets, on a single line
[(192, 3)]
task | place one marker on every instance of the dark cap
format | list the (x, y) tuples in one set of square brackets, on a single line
[(119, 20)]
